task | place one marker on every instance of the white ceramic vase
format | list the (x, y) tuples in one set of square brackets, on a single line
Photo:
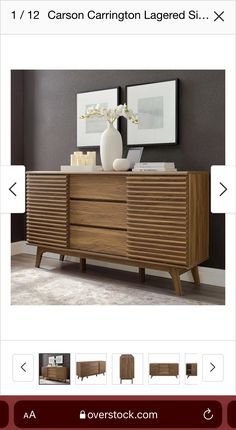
[(110, 147)]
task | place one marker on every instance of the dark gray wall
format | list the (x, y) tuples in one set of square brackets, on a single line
[(50, 122), (17, 139)]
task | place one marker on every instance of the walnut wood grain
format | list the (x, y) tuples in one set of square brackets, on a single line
[(90, 368), (98, 240), (163, 369), (126, 367), (98, 214), (98, 187), (47, 210), (157, 218), (198, 223), (157, 221)]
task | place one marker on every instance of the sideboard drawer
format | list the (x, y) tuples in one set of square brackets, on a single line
[(98, 187), (99, 240), (98, 214)]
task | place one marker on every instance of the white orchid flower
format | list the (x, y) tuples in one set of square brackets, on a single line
[(111, 115)]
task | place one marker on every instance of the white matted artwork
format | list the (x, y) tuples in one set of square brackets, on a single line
[(156, 107), (89, 130)]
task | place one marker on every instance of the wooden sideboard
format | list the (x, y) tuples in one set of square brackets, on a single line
[(55, 373), (164, 369), (191, 369), (89, 368), (126, 367), (147, 220)]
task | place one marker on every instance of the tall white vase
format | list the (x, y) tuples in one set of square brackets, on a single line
[(110, 147)]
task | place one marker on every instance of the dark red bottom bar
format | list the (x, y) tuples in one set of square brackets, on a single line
[(4, 414), (162, 412), (118, 414)]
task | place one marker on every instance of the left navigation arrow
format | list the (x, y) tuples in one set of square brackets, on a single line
[(10, 189), (23, 367)]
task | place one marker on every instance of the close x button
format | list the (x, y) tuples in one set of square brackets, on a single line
[(184, 414), (4, 414)]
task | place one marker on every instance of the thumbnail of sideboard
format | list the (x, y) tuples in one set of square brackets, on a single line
[(89, 368), (126, 367), (148, 220), (163, 369), (55, 373), (191, 369)]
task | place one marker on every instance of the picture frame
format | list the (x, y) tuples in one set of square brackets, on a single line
[(156, 105), (89, 130), (59, 359)]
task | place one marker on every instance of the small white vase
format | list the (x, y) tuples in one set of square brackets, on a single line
[(110, 147)]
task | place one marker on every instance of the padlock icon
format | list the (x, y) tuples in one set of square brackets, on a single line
[(82, 415)]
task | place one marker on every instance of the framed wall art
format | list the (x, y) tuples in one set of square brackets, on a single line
[(89, 130), (156, 107)]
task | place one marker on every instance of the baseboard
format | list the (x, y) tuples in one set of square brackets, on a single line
[(18, 247), (208, 275)]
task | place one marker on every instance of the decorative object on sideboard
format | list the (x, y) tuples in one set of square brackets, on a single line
[(134, 155), (111, 146), (154, 167), (80, 158), (82, 162), (121, 164), (156, 107), (89, 131)]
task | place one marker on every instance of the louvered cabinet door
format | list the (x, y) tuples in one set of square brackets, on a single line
[(47, 209), (157, 219)]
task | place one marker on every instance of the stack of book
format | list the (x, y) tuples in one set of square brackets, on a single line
[(156, 167)]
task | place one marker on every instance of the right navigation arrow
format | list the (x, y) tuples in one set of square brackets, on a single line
[(225, 189), (212, 366)]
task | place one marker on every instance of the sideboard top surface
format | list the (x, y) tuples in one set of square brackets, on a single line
[(59, 172)]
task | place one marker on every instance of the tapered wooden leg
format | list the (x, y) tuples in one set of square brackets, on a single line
[(196, 277), (83, 264), (38, 256), (62, 257), (176, 281), (141, 272)]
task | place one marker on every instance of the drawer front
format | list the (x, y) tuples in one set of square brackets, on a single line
[(157, 211), (98, 187), (98, 240), (91, 369), (52, 373), (98, 214), (47, 209), (58, 373), (163, 370)]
